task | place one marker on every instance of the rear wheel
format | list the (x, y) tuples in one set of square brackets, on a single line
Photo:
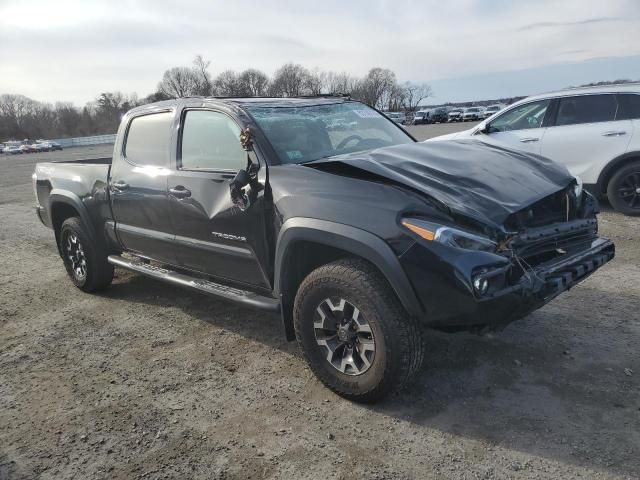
[(355, 335), (623, 190), (85, 262)]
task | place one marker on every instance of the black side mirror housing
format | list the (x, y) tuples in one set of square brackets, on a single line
[(241, 179)]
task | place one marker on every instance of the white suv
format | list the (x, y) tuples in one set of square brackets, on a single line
[(594, 132)]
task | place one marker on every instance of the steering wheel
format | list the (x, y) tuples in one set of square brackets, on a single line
[(344, 141)]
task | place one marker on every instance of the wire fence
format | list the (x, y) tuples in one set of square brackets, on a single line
[(81, 141)]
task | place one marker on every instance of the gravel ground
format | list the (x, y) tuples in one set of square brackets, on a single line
[(149, 381)]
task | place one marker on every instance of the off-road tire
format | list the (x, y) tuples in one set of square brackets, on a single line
[(99, 273), (399, 349), (617, 181)]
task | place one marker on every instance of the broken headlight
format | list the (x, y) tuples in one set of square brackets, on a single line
[(450, 236)]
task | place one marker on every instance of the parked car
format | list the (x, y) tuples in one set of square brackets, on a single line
[(42, 147), (12, 150), (359, 241), (54, 145), (472, 113), (420, 117), (398, 117), (438, 115), (492, 109), (455, 115), (26, 149), (593, 131)]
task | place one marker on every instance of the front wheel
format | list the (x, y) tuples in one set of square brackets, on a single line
[(354, 333), (85, 262), (623, 190)]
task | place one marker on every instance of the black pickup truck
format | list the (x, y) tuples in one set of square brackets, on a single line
[(326, 211)]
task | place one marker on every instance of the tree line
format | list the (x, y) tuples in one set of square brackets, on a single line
[(22, 117)]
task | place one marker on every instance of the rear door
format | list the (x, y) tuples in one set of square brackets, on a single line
[(522, 127), (587, 134), (213, 235), (138, 186)]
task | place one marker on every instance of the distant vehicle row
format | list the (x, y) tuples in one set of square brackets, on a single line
[(444, 114), (15, 149)]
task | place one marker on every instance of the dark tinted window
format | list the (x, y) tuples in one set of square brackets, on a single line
[(628, 106), (586, 109), (148, 139), (211, 140)]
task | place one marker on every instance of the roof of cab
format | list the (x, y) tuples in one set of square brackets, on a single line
[(246, 102)]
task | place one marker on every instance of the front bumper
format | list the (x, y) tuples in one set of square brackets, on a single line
[(450, 301)]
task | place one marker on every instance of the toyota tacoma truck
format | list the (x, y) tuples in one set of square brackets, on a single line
[(361, 238)]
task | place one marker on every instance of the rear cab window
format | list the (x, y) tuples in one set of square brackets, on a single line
[(148, 139)]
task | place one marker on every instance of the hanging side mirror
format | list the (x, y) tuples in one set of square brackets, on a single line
[(245, 176)]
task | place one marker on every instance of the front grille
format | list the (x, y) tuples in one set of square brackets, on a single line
[(561, 206)]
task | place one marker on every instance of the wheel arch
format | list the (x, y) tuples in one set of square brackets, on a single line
[(63, 205), (330, 241), (610, 169)]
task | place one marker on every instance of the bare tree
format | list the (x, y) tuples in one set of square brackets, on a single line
[(253, 82), (414, 94), (201, 66), (228, 84), (178, 82), (340, 83), (314, 82), (289, 80), (376, 87)]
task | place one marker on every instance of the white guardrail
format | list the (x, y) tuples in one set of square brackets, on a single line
[(80, 141)]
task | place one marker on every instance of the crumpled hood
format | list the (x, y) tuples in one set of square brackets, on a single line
[(483, 181)]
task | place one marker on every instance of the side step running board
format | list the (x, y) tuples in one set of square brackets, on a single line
[(234, 294)]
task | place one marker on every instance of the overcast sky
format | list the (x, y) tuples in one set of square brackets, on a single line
[(71, 50)]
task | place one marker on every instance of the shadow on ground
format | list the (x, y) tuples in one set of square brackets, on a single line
[(549, 385)]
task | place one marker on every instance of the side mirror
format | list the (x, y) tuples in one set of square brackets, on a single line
[(241, 179), (485, 130)]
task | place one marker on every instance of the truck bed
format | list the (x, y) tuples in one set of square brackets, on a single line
[(88, 161)]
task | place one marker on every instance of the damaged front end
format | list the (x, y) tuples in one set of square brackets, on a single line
[(544, 249)]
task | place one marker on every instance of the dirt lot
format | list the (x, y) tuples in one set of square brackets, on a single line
[(149, 381)]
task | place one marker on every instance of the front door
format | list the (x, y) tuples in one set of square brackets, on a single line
[(138, 187), (213, 235), (522, 127)]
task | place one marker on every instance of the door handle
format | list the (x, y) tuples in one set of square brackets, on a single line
[(180, 192), (529, 139), (616, 133), (120, 185)]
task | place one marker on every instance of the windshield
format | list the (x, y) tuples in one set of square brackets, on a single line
[(307, 133)]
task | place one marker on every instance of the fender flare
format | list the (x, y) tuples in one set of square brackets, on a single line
[(351, 239), (609, 169), (71, 199)]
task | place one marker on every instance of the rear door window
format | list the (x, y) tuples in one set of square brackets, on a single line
[(586, 109), (628, 106), (148, 139)]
